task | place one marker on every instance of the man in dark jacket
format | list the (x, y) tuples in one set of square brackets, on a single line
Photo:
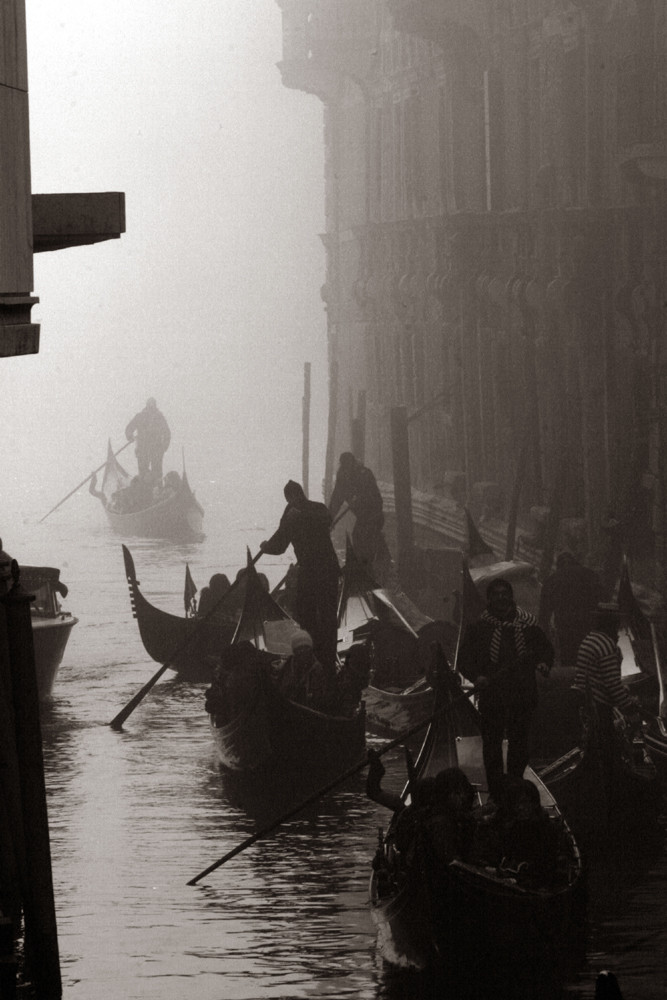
[(151, 432), (306, 526), (570, 596), (500, 653), (356, 486)]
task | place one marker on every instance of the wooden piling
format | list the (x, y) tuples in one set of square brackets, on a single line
[(359, 429), (41, 935), (305, 425), (402, 487)]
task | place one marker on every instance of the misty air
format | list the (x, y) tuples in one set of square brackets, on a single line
[(333, 550)]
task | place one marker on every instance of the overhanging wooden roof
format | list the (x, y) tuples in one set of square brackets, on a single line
[(71, 220)]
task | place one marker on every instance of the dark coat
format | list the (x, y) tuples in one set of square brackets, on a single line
[(359, 489), (307, 529), (151, 429), (517, 682)]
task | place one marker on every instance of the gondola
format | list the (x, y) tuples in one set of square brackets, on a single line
[(189, 644), (256, 730), (464, 916), (613, 803), (398, 637), (172, 511), (51, 626)]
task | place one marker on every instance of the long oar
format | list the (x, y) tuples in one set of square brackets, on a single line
[(83, 483), (118, 720), (249, 841)]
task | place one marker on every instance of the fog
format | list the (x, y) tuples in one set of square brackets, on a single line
[(210, 302)]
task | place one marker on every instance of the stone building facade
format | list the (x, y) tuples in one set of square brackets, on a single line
[(496, 259)]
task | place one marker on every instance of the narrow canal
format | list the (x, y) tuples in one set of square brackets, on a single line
[(136, 814)]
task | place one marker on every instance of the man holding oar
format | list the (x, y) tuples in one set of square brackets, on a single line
[(306, 526)]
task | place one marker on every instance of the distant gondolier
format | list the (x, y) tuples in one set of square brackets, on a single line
[(306, 525), (151, 432), (570, 596), (356, 486)]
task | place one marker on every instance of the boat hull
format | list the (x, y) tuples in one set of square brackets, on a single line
[(269, 735), (390, 713), (180, 518), (191, 646), (50, 638), (460, 918)]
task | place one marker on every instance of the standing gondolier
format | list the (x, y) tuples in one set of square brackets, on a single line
[(357, 487), (598, 680), (306, 526), (151, 432), (500, 653)]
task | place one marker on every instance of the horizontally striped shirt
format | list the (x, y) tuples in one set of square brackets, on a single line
[(599, 661)]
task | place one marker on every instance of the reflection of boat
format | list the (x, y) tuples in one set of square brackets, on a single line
[(255, 728), (460, 916), (187, 643), (170, 511), (51, 626)]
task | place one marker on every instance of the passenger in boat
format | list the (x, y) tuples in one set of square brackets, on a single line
[(236, 680), (357, 487), (302, 677), (150, 430), (211, 596), (569, 597), (519, 838), (353, 677), (306, 526), (450, 825), (500, 654), (93, 490)]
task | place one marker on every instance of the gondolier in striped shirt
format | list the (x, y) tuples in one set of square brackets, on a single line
[(598, 673)]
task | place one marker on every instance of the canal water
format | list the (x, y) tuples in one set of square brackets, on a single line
[(135, 814)]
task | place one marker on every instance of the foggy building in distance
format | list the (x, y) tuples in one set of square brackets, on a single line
[(495, 242), (32, 223)]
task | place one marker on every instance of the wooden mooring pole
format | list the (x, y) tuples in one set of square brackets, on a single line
[(402, 488), (41, 935), (305, 423)]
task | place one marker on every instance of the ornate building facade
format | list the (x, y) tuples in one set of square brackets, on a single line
[(496, 178)]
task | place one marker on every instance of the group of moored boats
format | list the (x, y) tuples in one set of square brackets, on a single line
[(386, 647)]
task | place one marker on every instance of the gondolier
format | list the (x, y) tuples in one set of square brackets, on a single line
[(598, 679), (500, 653), (306, 526), (151, 432), (356, 486)]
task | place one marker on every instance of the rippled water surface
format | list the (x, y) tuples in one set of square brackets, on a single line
[(136, 814)]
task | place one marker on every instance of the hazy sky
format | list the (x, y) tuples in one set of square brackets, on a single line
[(211, 300)]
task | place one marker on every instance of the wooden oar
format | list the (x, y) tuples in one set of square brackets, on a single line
[(249, 841), (118, 720), (83, 483)]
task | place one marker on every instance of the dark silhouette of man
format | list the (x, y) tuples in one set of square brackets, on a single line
[(356, 485), (152, 435), (500, 653), (569, 597), (306, 526)]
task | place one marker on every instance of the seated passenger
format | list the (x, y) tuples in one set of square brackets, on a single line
[(302, 677), (211, 596), (353, 677), (521, 838), (451, 824)]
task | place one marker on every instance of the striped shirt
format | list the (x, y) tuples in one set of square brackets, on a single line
[(599, 662)]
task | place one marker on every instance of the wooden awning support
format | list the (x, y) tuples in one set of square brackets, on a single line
[(72, 220)]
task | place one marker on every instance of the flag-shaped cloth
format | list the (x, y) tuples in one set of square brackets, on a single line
[(189, 592)]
